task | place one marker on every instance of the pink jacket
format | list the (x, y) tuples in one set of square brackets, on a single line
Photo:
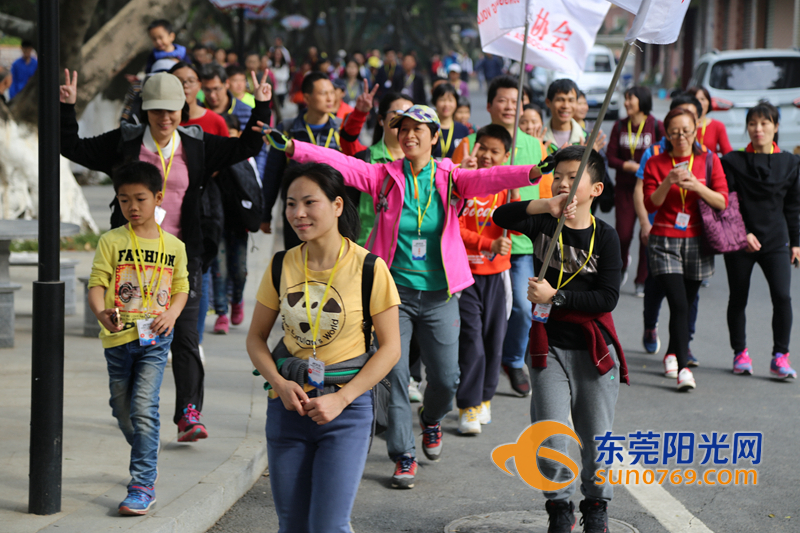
[(369, 178)]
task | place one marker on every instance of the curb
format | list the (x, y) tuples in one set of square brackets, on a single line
[(202, 506)]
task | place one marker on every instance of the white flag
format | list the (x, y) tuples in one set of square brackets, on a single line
[(510, 13), (562, 32), (657, 21)]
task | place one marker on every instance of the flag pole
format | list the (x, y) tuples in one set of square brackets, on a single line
[(584, 161)]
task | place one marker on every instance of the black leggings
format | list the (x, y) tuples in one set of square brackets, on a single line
[(680, 292), (777, 269)]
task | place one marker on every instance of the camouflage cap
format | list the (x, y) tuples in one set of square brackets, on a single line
[(420, 113)]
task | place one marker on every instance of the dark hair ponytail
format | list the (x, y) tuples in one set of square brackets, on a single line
[(384, 108), (332, 184)]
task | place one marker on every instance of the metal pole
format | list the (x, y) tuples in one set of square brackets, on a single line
[(47, 376), (589, 145)]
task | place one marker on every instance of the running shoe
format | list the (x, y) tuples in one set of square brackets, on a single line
[(561, 516), (779, 367), (431, 438), (222, 325), (519, 381), (189, 427), (638, 291), (138, 501), (686, 380), (237, 313), (469, 421), (691, 360), (670, 365), (404, 472), (486, 413), (595, 515), (742, 364), (414, 395), (650, 340)]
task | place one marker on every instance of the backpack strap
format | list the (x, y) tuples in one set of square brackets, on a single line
[(277, 269), (709, 167), (367, 280), (381, 205)]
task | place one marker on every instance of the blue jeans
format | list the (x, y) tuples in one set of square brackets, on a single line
[(435, 321), (231, 270), (134, 379), (519, 323), (201, 316), (314, 471)]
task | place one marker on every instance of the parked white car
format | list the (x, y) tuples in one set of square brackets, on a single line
[(738, 79)]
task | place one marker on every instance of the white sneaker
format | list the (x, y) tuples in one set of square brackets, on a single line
[(468, 421), (485, 416), (414, 395), (202, 355), (670, 366), (686, 380)]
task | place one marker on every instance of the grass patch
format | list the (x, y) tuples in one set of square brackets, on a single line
[(81, 242)]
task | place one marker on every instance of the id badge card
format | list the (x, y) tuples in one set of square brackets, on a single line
[(419, 249), (541, 312), (682, 221), (160, 214), (147, 337), (316, 373)]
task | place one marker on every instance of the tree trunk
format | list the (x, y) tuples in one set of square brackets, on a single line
[(24, 29), (106, 53), (75, 15)]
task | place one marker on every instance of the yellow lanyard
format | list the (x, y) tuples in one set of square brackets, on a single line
[(166, 168), (703, 139), (488, 215), (386, 152), (409, 80), (138, 264), (421, 214), (313, 137), (315, 324), (771, 149), (588, 257), (631, 141), (683, 191), (446, 147)]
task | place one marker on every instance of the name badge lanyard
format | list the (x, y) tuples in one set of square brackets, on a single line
[(588, 257), (703, 131), (420, 213), (166, 167), (138, 264), (314, 138), (315, 324), (683, 191), (634, 142), (386, 152), (488, 215), (446, 146)]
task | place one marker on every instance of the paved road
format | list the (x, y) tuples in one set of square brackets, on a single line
[(466, 482)]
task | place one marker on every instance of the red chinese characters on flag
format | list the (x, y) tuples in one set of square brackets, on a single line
[(562, 35), (541, 30), (541, 25)]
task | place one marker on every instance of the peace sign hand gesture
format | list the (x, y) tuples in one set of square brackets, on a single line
[(263, 90), (470, 162), (364, 101), (68, 94)]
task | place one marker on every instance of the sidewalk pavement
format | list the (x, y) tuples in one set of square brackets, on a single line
[(198, 481)]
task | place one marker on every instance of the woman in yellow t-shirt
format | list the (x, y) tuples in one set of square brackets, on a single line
[(317, 441)]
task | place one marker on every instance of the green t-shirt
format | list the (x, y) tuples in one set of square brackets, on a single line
[(529, 152), (378, 153), (422, 274)]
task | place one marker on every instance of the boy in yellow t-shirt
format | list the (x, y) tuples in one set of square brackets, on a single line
[(138, 288)]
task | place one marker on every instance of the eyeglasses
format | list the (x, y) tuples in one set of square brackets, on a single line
[(190, 82), (219, 89), (677, 134)]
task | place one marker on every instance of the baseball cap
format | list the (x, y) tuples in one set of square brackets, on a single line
[(420, 113), (163, 91), (454, 67), (339, 83), (163, 65)]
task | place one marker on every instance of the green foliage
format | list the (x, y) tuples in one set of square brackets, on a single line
[(8, 40), (81, 242)]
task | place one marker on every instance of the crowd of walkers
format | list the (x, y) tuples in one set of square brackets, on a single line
[(419, 250)]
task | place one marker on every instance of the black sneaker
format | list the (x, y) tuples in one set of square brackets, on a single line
[(519, 381), (562, 516), (595, 516)]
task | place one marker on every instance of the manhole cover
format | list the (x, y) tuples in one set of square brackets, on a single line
[(518, 522)]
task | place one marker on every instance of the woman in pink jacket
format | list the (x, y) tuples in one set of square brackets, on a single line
[(417, 202)]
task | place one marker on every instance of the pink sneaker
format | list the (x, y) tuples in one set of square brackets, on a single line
[(237, 313), (742, 364), (222, 326), (190, 429)]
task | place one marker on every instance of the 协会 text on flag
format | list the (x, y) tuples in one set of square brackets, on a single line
[(561, 31), (657, 21)]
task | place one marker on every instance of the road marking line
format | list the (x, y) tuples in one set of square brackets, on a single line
[(671, 513)]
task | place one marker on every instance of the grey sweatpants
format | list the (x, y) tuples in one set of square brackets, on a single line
[(571, 383)]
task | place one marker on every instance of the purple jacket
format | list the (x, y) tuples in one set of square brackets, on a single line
[(369, 178)]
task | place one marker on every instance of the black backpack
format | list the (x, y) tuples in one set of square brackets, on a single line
[(244, 199)]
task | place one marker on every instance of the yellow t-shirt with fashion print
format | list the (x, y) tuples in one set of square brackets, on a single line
[(340, 336), (114, 268)]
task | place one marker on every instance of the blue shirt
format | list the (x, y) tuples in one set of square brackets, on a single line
[(21, 72)]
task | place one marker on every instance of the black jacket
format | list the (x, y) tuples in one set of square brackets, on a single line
[(769, 195), (205, 154), (416, 89)]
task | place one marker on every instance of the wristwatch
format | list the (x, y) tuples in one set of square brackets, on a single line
[(559, 299)]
